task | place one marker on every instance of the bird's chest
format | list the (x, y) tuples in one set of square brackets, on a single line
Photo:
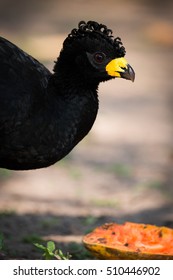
[(74, 123)]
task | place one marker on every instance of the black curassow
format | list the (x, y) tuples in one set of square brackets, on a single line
[(43, 115)]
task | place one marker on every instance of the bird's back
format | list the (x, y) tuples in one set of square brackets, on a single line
[(23, 82)]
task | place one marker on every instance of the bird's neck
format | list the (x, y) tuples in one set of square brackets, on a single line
[(74, 108), (66, 81), (77, 96)]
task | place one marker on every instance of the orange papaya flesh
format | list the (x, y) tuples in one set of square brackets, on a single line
[(130, 241)]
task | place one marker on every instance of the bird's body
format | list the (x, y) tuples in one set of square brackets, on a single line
[(43, 115)]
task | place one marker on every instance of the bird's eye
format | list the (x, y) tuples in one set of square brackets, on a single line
[(99, 57)]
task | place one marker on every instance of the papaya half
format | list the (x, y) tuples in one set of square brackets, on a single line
[(130, 241)]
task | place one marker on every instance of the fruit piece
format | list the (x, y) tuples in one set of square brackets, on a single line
[(130, 241)]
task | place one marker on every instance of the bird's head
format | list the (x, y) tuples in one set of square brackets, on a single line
[(95, 54)]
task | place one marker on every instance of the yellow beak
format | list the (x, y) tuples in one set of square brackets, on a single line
[(119, 67)]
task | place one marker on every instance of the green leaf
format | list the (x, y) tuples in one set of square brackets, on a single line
[(40, 246), (49, 251), (50, 246)]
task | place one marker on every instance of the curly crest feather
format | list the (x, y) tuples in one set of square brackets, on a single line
[(92, 28)]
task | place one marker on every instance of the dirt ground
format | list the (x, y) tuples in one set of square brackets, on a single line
[(123, 170)]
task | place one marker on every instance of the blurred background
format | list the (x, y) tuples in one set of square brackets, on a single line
[(123, 170)]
